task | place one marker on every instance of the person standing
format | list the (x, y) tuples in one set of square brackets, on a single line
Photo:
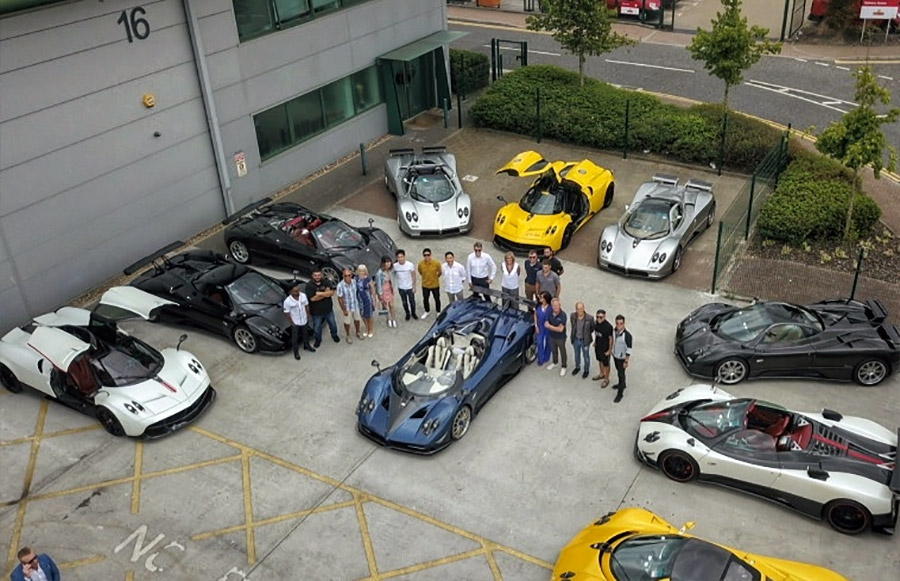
[(430, 274), (542, 334), (532, 268), (555, 265), (349, 304), (556, 324), (33, 567), (319, 291), (509, 280), (621, 354), (384, 288), (482, 269), (296, 309), (405, 272), (547, 280), (454, 275), (603, 344), (581, 335), (365, 294)]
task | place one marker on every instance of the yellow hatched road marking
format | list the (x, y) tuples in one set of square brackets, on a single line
[(248, 507), (273, 520), (51, 435), (26, 486), (366, 537), (82, 562), (136, 485)]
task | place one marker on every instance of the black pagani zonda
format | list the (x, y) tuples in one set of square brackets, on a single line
[(840, 339), (295, 237), (216, 295)]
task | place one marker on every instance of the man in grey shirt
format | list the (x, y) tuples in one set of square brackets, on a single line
[(547, 280)]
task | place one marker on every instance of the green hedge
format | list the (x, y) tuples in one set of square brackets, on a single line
[(594, 116), (469, 71), (811, 200)]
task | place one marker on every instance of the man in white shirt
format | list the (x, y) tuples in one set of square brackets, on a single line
[(481, 269), (296, 309), (406, 283), (454, 275)]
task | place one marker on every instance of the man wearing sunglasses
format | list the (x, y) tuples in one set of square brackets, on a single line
[(34, 567)]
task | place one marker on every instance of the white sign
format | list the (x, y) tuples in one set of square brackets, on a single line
[(879, 9), (469, 178), (240, 163)]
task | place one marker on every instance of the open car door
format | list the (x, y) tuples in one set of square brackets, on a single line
[(123, 302), (65, 316), (527, 163), (57, 346)]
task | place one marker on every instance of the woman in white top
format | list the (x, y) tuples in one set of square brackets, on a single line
[(509, 285)]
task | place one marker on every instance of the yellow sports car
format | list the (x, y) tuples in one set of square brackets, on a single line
[(560, 201), (634, 544)]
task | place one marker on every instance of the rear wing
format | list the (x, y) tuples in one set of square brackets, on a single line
[(700, 185), (665, 179), (401, 152), (895, 476), (161, 253), (879, 313), (518, 301), (246, 210), (434, 149)]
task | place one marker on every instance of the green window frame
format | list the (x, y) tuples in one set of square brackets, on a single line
[(256, 18), (289, 124)]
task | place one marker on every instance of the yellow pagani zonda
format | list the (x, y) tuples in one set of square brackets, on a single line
[(560, 201), (634, 544)]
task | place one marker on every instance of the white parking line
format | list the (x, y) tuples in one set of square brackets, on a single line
[(842, 68), (677, 70), (885, 78), (822, 64), (510, 48), (801, 60), (814, 98)]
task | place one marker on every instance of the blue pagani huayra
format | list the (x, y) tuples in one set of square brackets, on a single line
[(428, 399)]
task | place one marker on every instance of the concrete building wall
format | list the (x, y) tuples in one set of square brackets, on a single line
[(253, 76), (85, 187)]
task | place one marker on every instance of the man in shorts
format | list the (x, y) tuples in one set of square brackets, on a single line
[(603, 344)]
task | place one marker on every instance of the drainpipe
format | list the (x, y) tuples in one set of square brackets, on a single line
[(212, 119)]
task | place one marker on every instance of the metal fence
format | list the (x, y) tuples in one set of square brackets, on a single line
[(736, 223)]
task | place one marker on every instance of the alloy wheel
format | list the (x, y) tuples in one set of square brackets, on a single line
[(731, 371), (871, 372), (245, 340), (461, 422), (239, 251)]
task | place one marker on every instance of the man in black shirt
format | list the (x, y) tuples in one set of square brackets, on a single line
[(532, 267), (603, 343), (321, 308), (555, 265)]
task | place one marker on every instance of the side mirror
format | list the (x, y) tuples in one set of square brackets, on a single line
[(376, 364), (181, 340), (817, 473), (371, 222), (501, 198), (687, 526), (296, 274)]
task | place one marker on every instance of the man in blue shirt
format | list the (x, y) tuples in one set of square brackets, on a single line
[(556, 324)]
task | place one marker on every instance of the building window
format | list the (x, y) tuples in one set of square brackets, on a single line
[(258, 17), (303, 117)]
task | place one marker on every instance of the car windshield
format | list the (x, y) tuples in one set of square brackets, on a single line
[(126, 362), (253, 288), (336, 234), (744, 325), (416, 379), (649, 558), (432, 188), (649, 220), (547, 197), (713, 419)]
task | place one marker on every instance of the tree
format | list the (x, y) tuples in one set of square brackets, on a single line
[(857, 139), (581, 27), (731, 47)]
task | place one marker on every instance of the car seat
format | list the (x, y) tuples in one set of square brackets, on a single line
[(80, 372)]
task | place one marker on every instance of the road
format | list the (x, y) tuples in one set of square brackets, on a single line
[(800, 92)]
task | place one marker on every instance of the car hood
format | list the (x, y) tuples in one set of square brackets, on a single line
[(693, 334), (175, 384), (629, 252), (520, 225), (435, 216), (397, 417), (273, 314), (369, 255)]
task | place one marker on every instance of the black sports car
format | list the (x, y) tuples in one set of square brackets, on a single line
[(428, 399), (290, 235), (214, 294), (841, 339)]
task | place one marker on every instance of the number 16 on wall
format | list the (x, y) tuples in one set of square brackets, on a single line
[(136, 26)]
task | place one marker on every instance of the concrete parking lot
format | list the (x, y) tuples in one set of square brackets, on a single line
[(274, 482)]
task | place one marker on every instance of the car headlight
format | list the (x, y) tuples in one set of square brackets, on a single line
[(459, 213), (430, 426), (466, 211), (501, 218), (662, 258), (655, 257), (609, 246), (366, 404), (551, 230)]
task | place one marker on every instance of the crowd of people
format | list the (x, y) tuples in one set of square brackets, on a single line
[(362, 295)]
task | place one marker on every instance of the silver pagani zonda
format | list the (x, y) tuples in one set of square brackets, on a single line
[(650, 239), (430, 199)]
